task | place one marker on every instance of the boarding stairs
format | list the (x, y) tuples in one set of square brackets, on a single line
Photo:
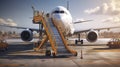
[(55, 36)]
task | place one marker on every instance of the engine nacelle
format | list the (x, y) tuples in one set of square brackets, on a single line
[(27, 35), (92, 36)]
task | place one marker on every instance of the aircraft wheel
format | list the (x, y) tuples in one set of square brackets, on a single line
[(53, 54), (48, 53), (81, 41), (76, 54), (76, 42)]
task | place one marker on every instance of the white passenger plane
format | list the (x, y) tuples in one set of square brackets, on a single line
[(63, 17)]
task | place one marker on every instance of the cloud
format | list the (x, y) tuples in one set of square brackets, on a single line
[(2, 21), (91, 11), (111, 8), (115, 19), (9, 22)]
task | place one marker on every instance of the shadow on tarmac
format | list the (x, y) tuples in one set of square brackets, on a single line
[(14, 48), (107, 48)]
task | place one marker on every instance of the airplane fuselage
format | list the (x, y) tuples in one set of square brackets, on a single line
[(63, 18)]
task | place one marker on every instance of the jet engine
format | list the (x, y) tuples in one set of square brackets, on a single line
[(92, 36), (27, 35)]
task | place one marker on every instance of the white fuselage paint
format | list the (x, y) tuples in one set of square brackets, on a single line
[(63, 18)]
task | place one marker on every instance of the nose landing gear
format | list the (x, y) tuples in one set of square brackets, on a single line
[(81, 41)]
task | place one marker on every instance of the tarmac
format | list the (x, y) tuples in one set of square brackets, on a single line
[(22, 55)]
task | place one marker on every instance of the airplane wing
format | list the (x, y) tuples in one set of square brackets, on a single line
[(96, 29), (17, 27), (82, 21)]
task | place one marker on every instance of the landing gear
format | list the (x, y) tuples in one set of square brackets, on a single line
[(81, 41), (76, 41)]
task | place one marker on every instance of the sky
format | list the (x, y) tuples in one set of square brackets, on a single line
[(102, 12)]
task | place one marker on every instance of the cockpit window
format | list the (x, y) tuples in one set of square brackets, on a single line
[(58, 12), (62, 12)]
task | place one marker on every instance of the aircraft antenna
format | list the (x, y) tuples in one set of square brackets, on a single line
[(67, 5)]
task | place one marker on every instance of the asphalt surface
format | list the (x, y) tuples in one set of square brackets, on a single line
[(22, 55)]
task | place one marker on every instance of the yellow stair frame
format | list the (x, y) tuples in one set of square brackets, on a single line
[(64, 40), (40, 18)]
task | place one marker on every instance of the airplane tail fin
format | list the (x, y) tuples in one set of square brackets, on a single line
[(33, 8), (67, 5)]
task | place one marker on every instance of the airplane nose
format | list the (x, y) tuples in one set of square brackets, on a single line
[(57, 18)]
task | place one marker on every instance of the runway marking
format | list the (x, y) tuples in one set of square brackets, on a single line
[(75, 63)]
